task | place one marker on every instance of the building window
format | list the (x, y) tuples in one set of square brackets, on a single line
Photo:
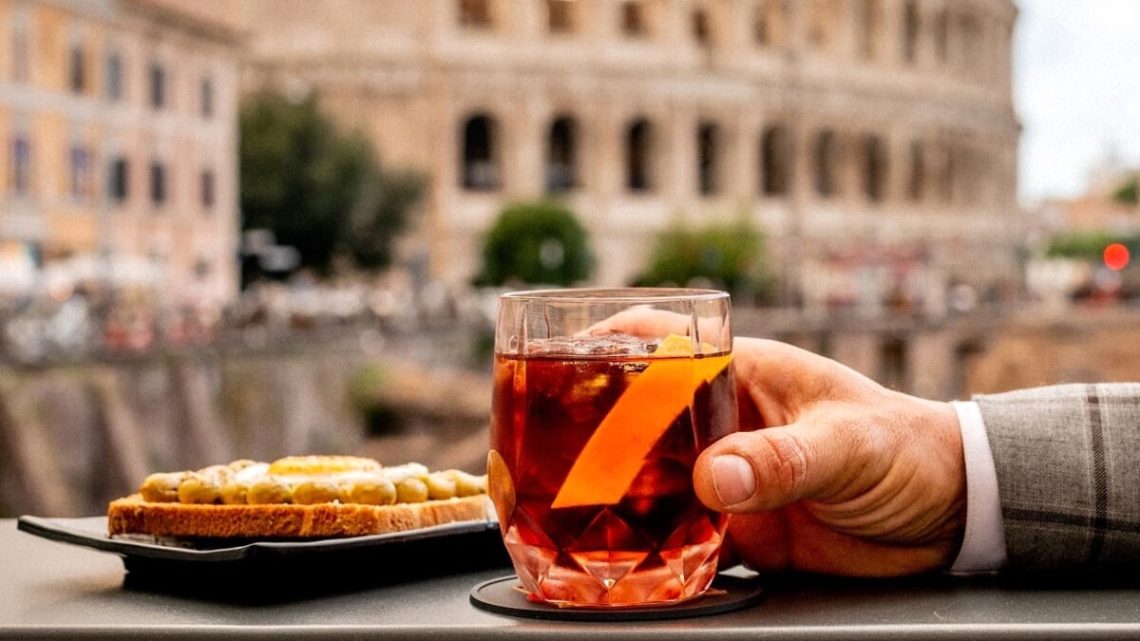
[(208, 189), (825, 160), (480, 170), (206, 96), (769, 29), (708, 158), (910, 32), (874, 168), (77, 69), (701, 28), (942, 36), (869, 31), (633, 18), (157, 86), (158, 186), (475, 14), (775, 161), (20, 55), (638, 156), (916, 183), (21, 165), (119, 179), (114, 77), (562, 156), (948, 170), (560, 15), (80, 163)]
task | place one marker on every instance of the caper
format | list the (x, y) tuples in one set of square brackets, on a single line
[(197, 488), (162, 487), (468, 484), (234, 493), (440, 486), (268, 490), (309, 492), (378, 491), (411, 490)]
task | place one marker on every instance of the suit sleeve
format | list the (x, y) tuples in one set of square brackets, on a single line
[(1068, 469)]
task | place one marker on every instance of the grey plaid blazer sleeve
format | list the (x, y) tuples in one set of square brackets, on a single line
[(1068, 470)]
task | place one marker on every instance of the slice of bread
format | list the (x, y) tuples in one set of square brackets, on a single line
[(133, 515)]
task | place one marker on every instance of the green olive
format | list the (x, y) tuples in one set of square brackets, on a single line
[(440, 486), (378, 491), (309, 492), (411, 490), (268, 490), (162, 487), (234, 494), (468, 484), (197, 488)]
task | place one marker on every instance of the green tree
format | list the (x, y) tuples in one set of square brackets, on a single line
[(1127, 193), (728, 256), (317, 189), (536, 243)]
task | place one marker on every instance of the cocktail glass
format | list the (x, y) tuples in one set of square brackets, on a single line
[(603, 399)]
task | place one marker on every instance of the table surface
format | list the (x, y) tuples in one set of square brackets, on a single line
[(53, 590)]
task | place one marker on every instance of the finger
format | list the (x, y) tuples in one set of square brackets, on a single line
[(648, 322), (770, 468), (782, 380)]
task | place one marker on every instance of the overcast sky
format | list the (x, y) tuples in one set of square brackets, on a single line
[(1077, 90)]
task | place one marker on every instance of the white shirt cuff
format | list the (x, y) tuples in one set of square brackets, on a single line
[(983, 545)]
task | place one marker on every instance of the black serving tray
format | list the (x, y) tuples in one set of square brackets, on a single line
[(275, 569)]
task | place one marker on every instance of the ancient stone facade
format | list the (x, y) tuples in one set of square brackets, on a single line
[(874, 140), (118, 120)]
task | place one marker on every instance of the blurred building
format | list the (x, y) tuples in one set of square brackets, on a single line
[(852, 130), (119, 129)]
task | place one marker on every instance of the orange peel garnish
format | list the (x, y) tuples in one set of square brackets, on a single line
[(613, 456)]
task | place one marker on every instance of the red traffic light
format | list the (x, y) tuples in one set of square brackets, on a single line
[(1116, 257)]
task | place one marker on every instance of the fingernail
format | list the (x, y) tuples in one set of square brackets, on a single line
[(733, 479)]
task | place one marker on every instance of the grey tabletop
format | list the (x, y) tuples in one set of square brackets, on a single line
[(53, 590)]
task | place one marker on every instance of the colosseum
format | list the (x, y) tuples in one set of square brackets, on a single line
[(874, 141)]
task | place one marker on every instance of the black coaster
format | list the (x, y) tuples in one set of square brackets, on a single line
[(728, 593)]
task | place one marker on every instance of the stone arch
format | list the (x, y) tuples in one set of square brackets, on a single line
[(776, 160), (709, 152), (874, 167), (916, 177), (479, 153), (825, 163), (640, 140), (562, 145)]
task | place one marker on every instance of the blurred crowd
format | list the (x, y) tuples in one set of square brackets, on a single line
[(98, 323)]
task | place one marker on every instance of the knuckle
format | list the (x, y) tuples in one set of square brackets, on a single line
[(788, 463)]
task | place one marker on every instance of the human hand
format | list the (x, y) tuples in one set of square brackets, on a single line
[(831, 472)]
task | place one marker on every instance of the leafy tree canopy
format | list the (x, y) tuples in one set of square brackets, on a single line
[(319, 190), (1127, 193), (728, 256), (1088, 245), (536, 243)]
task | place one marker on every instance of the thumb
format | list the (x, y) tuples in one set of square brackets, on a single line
[(772, 467)]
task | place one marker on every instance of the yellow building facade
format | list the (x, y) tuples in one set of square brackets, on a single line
[(118, 120)]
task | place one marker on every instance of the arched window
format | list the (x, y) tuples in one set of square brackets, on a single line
[(560, 16), (868, 27), (775, 161), (910, 31), (708, 158), (874, 168), (916, 185), (638, 156), (562, 155), (701, 29), (942, 36), (475, 14), (769, 27), (633, 22), (825, 161), (480, 168)]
